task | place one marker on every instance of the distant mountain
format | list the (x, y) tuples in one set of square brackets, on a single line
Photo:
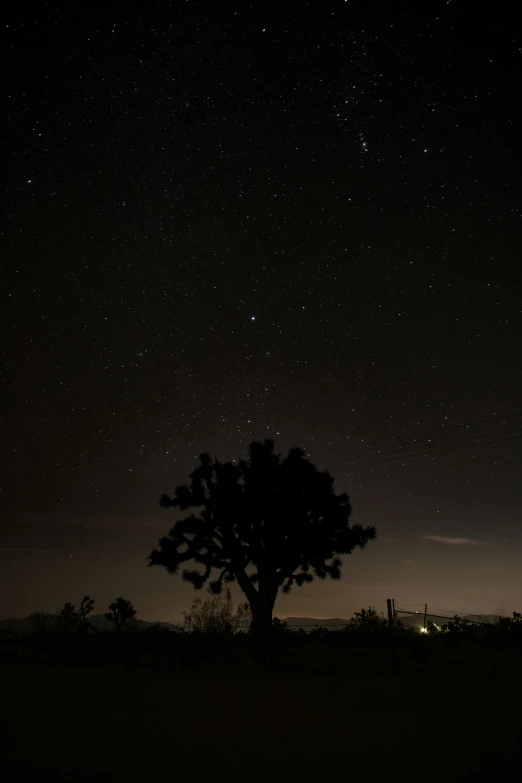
[(23, 623), (312, 622), (98, 621), (482, 618)]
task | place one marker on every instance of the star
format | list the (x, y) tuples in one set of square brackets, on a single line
[(168, 206)]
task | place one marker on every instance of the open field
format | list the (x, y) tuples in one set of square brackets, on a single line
[(441, 717)]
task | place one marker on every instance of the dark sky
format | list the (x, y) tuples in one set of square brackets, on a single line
[(224, 224)]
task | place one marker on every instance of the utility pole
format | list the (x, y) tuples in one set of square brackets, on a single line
[(390, 603), (425, 615), (390, 613)]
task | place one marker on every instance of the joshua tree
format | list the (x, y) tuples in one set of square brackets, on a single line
[(266, 522), (121, 613), (86, 607), (67, 619)]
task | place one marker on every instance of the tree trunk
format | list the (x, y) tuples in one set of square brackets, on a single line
[(261, 628)]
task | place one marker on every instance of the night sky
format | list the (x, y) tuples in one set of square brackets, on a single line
[(223, 222)]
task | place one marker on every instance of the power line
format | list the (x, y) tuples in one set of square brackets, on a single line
[(444, 617), (388, 441), (143, 489), (146, 488), (143, 492), (453, 612), (393, 444), (395, 449), (412, 435), (433, 451)]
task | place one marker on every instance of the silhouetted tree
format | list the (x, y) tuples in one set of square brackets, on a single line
[(516, 626), (217, 615), (509, 627), (86, 607), (368, 621), (266, 522), (457, 626), (280, 627), (67, 619), (39, 621), (121, 613)]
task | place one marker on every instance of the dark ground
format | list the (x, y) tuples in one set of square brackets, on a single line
[(447, 717)]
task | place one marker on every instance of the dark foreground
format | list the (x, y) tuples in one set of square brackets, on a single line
[(363, 715)]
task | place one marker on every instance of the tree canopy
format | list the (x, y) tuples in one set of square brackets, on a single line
[(121, 613), (267, 522)]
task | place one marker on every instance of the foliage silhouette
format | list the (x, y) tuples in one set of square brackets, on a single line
[(40, 621), (280, 627), (457, 626), (509, 627), (67, 619), (85, 609), (266, 522), (121, 613), (217, 615), (368, 621)]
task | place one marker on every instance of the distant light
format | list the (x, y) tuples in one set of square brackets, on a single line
[(422, 630), (252, 318)]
